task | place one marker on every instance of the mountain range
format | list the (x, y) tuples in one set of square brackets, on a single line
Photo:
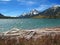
[(30, 14), (52, 12)]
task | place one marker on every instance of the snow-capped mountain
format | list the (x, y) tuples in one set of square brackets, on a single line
[(34, 12), (31, 13), (54, 10), (55, 7)]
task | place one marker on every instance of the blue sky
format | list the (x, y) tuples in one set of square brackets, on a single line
[(17, 7)]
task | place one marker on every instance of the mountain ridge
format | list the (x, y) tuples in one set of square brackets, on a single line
[(52, 12)]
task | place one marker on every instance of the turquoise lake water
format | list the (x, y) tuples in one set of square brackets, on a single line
[(7, 24)]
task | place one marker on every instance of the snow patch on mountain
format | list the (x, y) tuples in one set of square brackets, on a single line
[(55, 7)]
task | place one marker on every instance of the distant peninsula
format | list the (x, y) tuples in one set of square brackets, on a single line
[(7, 17)]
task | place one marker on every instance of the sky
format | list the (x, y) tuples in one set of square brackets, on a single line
[(18, 7)]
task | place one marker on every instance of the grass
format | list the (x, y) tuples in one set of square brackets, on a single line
[(43, 40)]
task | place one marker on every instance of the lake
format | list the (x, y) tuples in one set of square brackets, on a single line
[(7, 24)]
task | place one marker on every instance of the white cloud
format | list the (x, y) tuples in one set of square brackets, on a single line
[(24, 2), (5, 0), (30, 2), (55, 5), (42, 7)]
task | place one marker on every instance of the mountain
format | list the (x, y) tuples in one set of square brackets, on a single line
[(1, 15), (53, 11), (32, 13), (7, 17)]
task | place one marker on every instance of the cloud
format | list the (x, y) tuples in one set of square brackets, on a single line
[(42, 7), (55, 4), (5, 0), (30, 2), (24, 2)]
